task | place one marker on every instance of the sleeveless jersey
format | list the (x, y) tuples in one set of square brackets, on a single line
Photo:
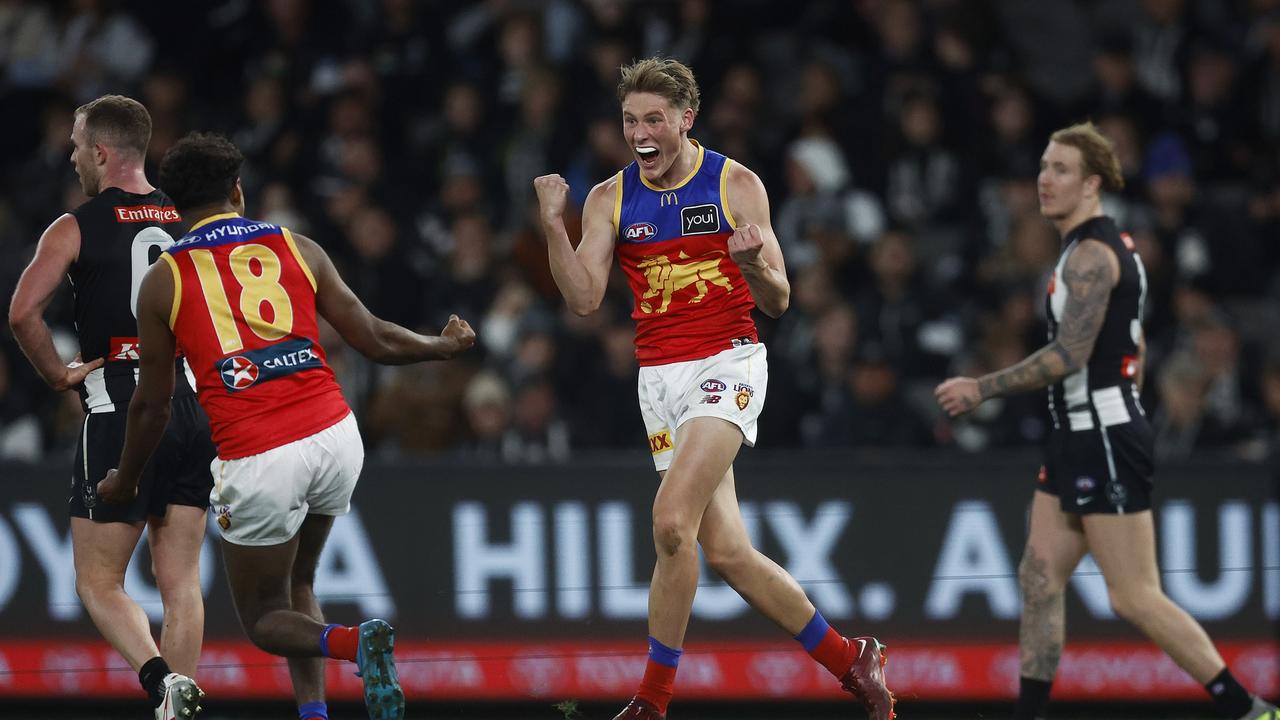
[(1102, 393), (691, 300), (244, 313), (121, 234)]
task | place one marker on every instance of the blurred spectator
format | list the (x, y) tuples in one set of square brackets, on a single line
[(1118, 91), (102, 48), (1209, 244), (537, 433), (30, 54), (1267, 443), (925, 192), (1179, 423), (20, 432), (823, 213), (868, 408), (487, 404), (898, 312), (1160, 39)]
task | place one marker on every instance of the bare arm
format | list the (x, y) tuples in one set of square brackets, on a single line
[(581, 274), (58, 249), (1090, 273), (754, 246), (377, 339), (149, 408)]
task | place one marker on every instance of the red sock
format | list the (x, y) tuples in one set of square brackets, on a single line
[(340, 642), (832, 653), (658, 685)]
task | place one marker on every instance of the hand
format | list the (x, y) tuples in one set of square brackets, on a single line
[(76, 372), (745, 245), (553, 194), (115, 490), (460, 332), (958, 395)]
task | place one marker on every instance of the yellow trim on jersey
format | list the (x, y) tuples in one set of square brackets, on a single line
[(697, 165), (724, 197), (213, 218), (297, 255), (177, 288), (617, 204)]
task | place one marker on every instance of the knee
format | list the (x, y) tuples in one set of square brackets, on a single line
[(671, 533), (173, 586), (90, 586), (257, 630), (1035, 580), (726, 558), (1129, 603)]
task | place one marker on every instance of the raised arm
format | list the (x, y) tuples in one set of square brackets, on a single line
[(381, 341), (149, 408), (754, 246), (58, 249), (581, 274), (1090, 273)]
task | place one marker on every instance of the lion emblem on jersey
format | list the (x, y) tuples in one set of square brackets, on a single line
[(667, 278)]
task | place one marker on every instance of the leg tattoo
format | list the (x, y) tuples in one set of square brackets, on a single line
[(1043, 627)]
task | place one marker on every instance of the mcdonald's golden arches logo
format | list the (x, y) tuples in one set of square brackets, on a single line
[(668, 198)]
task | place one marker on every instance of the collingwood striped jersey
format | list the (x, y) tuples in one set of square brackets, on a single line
[(121, 235), (1102, 394)]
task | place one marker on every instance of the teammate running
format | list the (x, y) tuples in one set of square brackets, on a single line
[(1094, 491), (692, 234), (240, 297), (105, 247)]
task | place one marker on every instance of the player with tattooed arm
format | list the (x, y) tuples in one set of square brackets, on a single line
[(1094, 490)]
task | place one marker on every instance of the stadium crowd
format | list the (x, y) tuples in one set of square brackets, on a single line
[(899, 141)]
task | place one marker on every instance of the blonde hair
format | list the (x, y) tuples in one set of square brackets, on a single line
[(667, 78), (1097, 153)]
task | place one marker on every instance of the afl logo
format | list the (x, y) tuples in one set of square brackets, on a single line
[(238, 372), (639, 232), (712, 386)]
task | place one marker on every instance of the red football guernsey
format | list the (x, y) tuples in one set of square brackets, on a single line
[(244, 314), (691, 300)]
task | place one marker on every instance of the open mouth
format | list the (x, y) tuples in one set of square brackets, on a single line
[(648, 156)]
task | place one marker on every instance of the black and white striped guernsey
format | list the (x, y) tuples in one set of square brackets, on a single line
[(121, 234), (1103, 393)]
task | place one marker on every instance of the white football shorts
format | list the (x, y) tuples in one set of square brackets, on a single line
[(730, 385), (263, 499)]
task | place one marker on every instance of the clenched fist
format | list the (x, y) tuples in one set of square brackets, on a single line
[(460, 332), (116, 490), (745, 245), (553, 194)]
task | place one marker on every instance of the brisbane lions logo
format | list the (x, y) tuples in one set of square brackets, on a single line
[(666, 278)]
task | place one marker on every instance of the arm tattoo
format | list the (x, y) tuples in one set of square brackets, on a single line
[(1089, 277)]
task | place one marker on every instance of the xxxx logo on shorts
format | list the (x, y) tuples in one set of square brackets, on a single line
[(660, 442)]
